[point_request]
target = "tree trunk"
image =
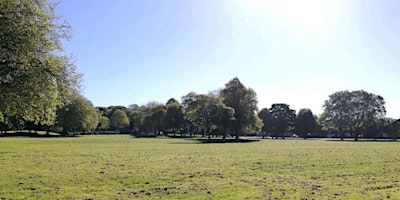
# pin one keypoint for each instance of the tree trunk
(48, 130)
(224, 136)
(237, 135)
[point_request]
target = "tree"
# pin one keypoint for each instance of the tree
(36, 79)
(207, 113)
(174, 116)
(223, 117)
(79, 115)
(305, 123)
(353, 111)
(119, 120)
(394, 129)
(200, 112)
(136, 119)
(265, 117)
(243, 100)
(282, 117)
(104, 123)
(157, 117)
(255, 127)
(377, 128)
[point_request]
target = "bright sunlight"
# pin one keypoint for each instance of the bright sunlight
(307, 14)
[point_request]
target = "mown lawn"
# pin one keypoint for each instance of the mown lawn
(123, 167)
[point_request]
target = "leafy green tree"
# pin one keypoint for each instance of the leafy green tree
(198, 111)
(137, 119)
(265, 117)
(36, 79)
(352, 111)
(207, 112)
(119, 120)
(79, 115)
(255, 127)
(305, 123)
(223, 117)
(104, 123)
(132, 114)
(189, 125)
(243, 100)
(393, 129)
(174, 116)
(282, 117)
(157, 117)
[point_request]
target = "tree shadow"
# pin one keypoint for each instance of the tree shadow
(30, 134)
(362, 140)
(210, 141)
(179, 136)
(144, 135)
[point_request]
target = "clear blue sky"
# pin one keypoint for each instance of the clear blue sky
(294, 52)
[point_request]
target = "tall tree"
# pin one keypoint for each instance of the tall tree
(79, 115)
(265, 117)
(174, 116)
(157, 117)
(243, 100)
(352, 111)
(282, 117)
(305, 123)
(36, 79)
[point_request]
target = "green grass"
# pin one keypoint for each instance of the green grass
(123, 167)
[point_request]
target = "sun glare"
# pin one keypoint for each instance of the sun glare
(311, 23)
(305, 14)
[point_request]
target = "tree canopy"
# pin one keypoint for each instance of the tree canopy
(36, 79)
(244, 102)
(305, 123)
(352, 112)
(280, 118)
(79, 115)
(119, 120)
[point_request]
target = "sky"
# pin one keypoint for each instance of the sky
(293, 52)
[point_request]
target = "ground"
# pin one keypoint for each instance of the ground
(124, 167)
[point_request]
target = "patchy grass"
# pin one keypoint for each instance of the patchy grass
(124, 167)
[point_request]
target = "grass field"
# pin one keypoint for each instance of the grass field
(123, 167)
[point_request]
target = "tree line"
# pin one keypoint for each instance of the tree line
(40, 90)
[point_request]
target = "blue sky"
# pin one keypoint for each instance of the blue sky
(294, 52)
